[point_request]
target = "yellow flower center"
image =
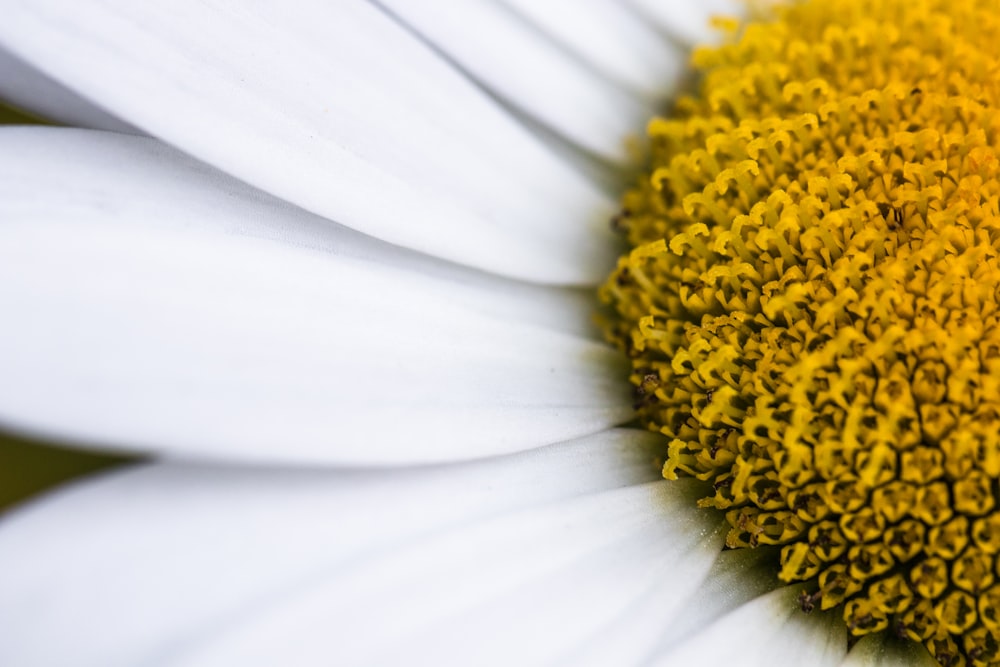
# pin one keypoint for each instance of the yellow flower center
(812, 306)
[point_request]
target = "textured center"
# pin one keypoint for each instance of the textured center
(812, 306)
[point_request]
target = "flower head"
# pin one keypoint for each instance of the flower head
(333, 299)
(812, 307)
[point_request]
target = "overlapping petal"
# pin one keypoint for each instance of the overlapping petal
(338, 109)
(770, 630)
(164, 307)
(667, 616)
(25, 87)
(610, 38)
(522, 556)
(561, 92)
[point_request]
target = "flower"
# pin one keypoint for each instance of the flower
(365, 449)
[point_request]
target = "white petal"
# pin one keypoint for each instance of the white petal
(736, 578)
(520, 589)
(510, 58)
(884, 651)
(771, 630)
(669, 613)
(607, 36)
(144, 181)
(163, 307)
(338, 109)
(169, 556)
(689, 21)
(25, 87)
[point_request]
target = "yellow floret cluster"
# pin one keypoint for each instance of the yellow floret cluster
(811, 305)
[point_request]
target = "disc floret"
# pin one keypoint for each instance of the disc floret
(812, 307)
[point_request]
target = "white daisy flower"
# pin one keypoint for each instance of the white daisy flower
(329, 268)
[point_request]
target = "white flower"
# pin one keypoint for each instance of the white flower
(394, 446)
